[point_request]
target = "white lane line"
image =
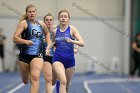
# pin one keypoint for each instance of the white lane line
(114, 80)
(87, 89)
(109, 80)
(16, 88)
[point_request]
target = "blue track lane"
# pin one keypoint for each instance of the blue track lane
(9, 81)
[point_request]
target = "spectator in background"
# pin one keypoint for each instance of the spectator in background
(136, 55)
(2, 44)
(16, 53)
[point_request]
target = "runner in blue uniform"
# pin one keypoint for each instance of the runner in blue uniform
(29, 34)
(64, 60)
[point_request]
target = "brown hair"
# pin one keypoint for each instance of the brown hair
(24, 16)
(49, 14)
(64, 10)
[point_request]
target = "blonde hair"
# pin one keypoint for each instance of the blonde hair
(24, 16)
(49, 14)
(64, 10)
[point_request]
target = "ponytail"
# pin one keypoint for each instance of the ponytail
(23, 17)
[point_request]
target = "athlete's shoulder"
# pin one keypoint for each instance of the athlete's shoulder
(23, 23)
(73, 28)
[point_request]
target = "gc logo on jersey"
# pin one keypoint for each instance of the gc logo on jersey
(40, 55)
(36, 33)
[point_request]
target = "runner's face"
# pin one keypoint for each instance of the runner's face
(31, 13)
(49, 21)
(64, 18)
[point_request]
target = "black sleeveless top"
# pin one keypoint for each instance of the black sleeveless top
(136, 53)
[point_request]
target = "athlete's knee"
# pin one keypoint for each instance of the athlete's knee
(25, 81)
(48, 78)
(35, 78)
(63, 82)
